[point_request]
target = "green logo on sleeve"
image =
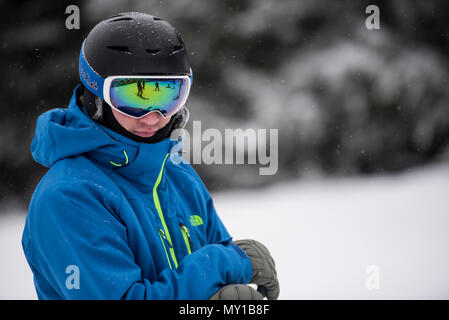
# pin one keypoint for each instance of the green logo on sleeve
(196, 220)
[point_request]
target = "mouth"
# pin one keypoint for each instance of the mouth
(145, 133)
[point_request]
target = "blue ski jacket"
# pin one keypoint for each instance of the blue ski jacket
(116, 219)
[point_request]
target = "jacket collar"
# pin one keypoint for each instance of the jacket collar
(63, 133)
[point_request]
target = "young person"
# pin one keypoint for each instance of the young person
(114, 217)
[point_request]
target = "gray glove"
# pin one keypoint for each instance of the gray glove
(236, 292)
(264, 270)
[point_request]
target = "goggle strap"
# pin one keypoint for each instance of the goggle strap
(91, 80)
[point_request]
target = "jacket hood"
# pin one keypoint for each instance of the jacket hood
(68, 132)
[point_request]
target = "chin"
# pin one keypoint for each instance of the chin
(144, 134)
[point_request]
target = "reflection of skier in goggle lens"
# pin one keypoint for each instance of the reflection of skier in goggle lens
(136, 64)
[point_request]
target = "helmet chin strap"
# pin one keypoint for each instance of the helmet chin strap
(99, 104)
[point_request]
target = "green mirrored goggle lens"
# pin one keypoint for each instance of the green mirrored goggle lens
(137, 96)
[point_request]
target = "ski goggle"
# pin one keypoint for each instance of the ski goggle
(136, 96)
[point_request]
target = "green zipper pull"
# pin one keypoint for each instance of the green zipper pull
(163, 237)
(187, 238)
(186, 230)
(162, 233)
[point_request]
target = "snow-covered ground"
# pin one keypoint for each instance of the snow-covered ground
(382, 237)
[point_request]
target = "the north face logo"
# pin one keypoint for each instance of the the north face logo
(196, 220)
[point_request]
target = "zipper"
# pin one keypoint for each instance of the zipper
(163, 240)
(157, 204)
(187, 239)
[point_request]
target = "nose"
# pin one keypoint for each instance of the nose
(151, 119)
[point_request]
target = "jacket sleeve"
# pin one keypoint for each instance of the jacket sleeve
(215, 229)
(216, 232)
(81, 249)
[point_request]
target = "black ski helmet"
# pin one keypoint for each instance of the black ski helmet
(131, 43)
(136, 43)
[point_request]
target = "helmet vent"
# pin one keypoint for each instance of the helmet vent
(115, 16)
(177, 48)
(121, 19)
(153, 51)
(120, 48)
(157, 19)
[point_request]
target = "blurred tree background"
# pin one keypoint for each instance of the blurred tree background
(346, 100)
